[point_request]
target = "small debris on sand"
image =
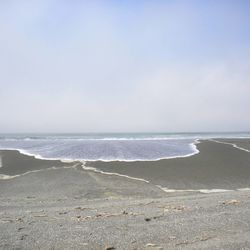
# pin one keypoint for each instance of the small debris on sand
(182, 243)
(40, 215)
(39, 211)
(172, 237)
(206, 237)
(5, 220)
(158, 216)
(170, 208)
(151, 245)
(19, 219)
(80, 208)
(23, 237)
(231, 202)
(63, 213)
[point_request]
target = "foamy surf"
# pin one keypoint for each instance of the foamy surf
(108, 151)
(108, 147)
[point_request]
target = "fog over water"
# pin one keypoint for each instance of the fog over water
(91, 66)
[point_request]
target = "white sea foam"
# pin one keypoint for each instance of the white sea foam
(204, 191)
(7, 177)
(111, 173)
(243, 189)
(232, 144)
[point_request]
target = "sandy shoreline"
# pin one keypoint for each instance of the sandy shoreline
(70, 208)
(15, 163)
(217, 166)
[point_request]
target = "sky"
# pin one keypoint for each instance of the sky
(124, 66)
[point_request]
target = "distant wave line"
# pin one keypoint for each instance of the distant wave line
(128, 138)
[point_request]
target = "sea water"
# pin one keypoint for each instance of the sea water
(109, 146)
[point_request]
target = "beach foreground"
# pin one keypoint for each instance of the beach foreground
(63, 206)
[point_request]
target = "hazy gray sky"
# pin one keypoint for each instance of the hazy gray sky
(96, 66)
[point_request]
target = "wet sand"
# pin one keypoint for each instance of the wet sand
(15, 163)
(238, 142)
(217, 166)
(71, 208)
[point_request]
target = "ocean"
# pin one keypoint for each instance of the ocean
(109, 146)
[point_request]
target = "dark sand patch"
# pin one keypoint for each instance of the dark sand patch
(244, 143)
(64, 180)
(217, 166)
(15, 163)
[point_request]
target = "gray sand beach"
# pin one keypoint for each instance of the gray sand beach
(63, 206)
